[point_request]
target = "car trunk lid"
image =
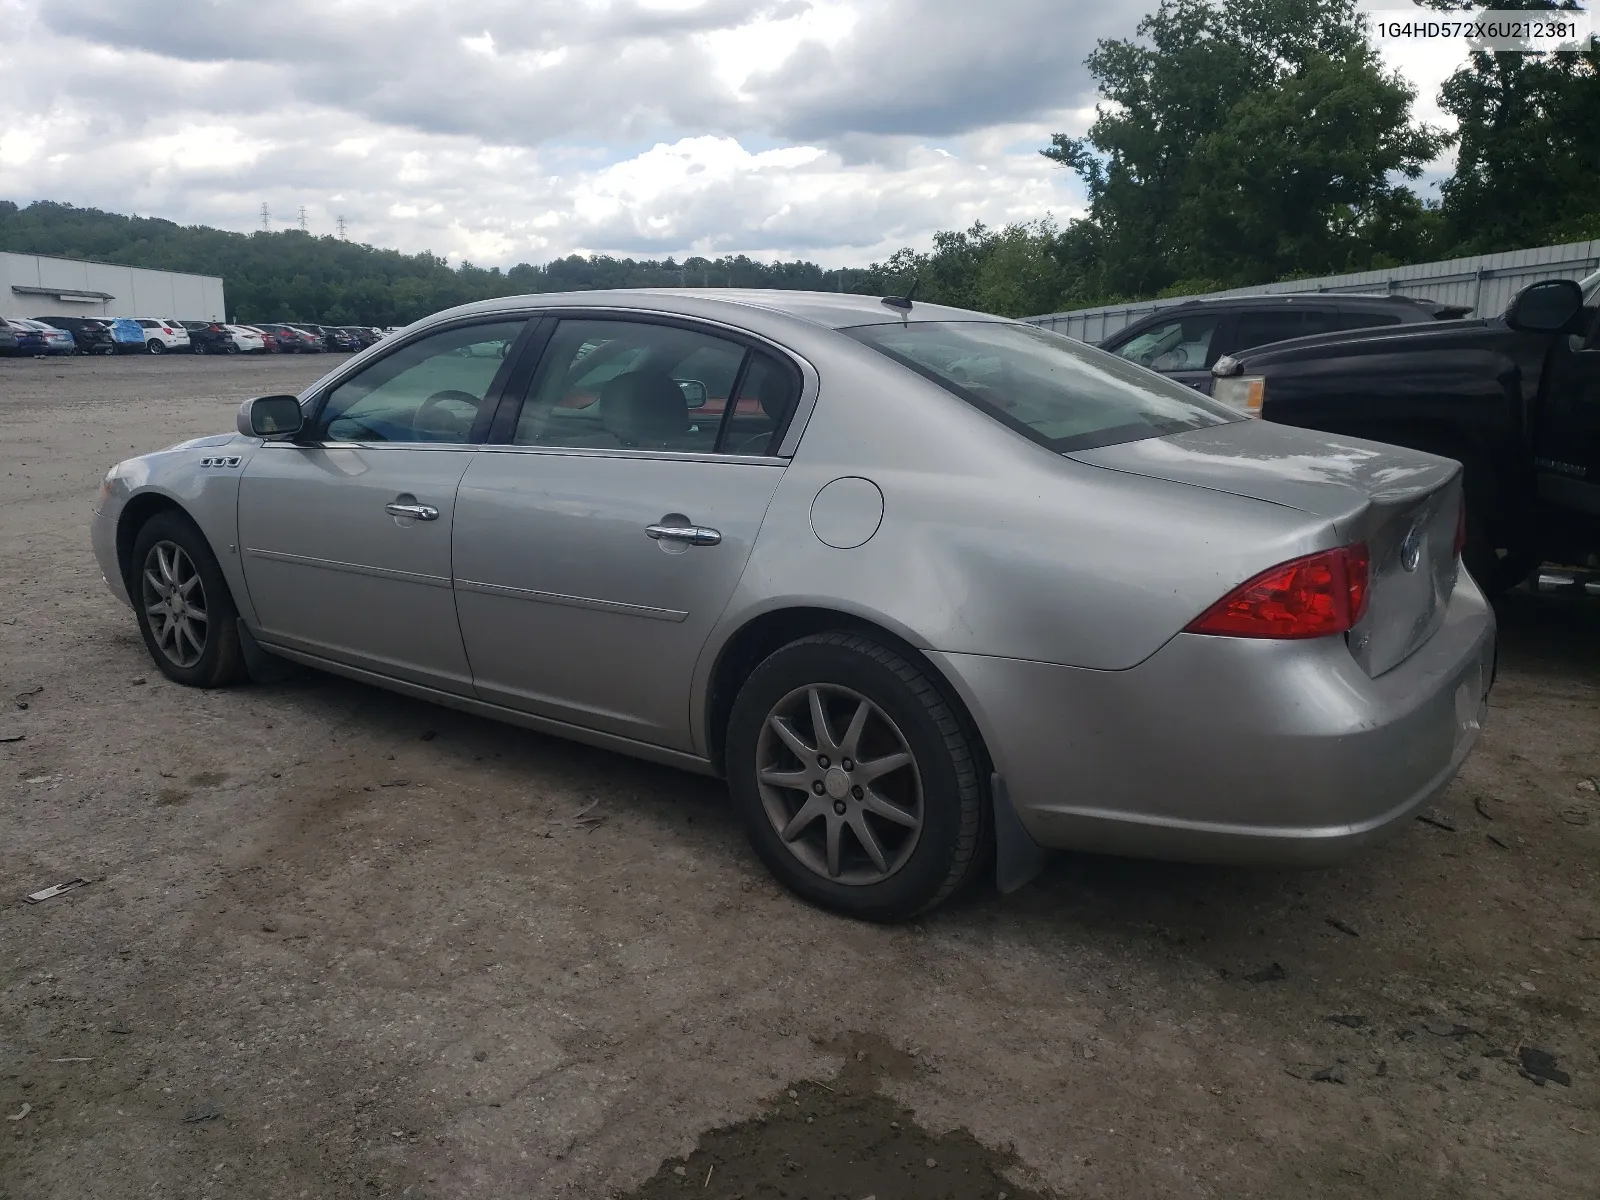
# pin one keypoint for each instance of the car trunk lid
(1402, 503)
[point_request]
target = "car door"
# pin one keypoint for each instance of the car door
(1182, 346)
(345, 532)
(1568, 433)
(596, 548)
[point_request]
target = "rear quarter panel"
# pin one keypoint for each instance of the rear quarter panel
(990, 544)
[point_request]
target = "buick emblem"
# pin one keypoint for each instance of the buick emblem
(1411, 548)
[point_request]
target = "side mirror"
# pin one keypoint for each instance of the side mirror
(693, 391)
(1545, 307)
(270, 416)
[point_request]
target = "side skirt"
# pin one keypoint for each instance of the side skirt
(496, 712)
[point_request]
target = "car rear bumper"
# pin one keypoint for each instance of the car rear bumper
(1233, 750)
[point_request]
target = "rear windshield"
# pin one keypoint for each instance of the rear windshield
(1058, 392)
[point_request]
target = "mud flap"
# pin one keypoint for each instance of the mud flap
(1017, 857)
(261, 666)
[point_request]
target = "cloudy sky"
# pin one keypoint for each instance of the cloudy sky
(520, 130)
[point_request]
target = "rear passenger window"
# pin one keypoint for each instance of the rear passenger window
(1261, 328)
(1367, 320)
(630, 385)
(766, 399)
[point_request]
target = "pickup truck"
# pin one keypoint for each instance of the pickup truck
(1514, 398)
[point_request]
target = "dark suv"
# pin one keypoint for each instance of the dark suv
(92, 336)
(1183, 341)
(208, 337)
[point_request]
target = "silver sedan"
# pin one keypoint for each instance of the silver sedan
(933, 591)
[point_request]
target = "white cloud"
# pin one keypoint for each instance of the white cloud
(520, 130)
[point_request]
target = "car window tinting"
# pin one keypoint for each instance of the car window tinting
(427, 391)
(1181, 344)
(1059, 392)
(1367, 320)
(1274, 325)
(630, 385)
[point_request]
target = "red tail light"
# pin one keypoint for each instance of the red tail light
(1461, 527)
(1314, 596)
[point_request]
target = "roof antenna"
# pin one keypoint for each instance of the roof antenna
(903, 303)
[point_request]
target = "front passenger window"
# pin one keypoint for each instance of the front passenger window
(1181, 344)
(430, 390)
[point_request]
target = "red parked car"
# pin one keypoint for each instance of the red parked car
(293, 341)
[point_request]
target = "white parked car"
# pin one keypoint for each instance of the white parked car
(162, 334)
(246, 340)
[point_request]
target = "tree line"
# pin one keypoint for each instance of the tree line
(1237, 142)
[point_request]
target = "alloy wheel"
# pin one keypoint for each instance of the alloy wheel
(174, 599)
(840, 784)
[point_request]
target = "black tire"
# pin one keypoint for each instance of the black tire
(948, 847)
(1496, 569)
(155, 346)
(1491, 552)
(198, 348)
(220, 660)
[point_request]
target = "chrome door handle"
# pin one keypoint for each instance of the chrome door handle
(418, 512)
(694, 535)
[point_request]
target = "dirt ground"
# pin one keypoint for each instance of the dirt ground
(340, 943)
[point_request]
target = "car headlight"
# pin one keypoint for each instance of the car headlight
(1243, 392)
(105, 489)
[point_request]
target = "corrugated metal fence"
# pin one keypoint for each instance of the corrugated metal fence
(1485, 282)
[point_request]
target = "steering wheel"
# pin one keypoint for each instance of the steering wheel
(432, 418)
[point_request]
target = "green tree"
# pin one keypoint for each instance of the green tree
(1248, 140)
(1529, 158)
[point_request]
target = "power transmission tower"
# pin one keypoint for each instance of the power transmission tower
(341, 227)
(266, 217)
(302, 218)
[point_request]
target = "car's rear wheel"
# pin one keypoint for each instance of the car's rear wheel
(856, 777)
(155, 346)
(185, 610)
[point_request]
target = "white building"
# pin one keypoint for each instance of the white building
(34, 286)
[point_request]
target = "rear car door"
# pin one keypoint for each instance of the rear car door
(345, 532)
(1567, 440)
(598, 543)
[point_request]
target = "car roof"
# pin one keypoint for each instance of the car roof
(1297, 299)
(832, 310)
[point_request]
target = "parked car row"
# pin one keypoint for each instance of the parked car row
(34, 336)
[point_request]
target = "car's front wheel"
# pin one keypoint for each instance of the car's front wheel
(185, 610)
(857, 778)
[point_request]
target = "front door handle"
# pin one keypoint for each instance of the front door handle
(693, 535)
(417, 512)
